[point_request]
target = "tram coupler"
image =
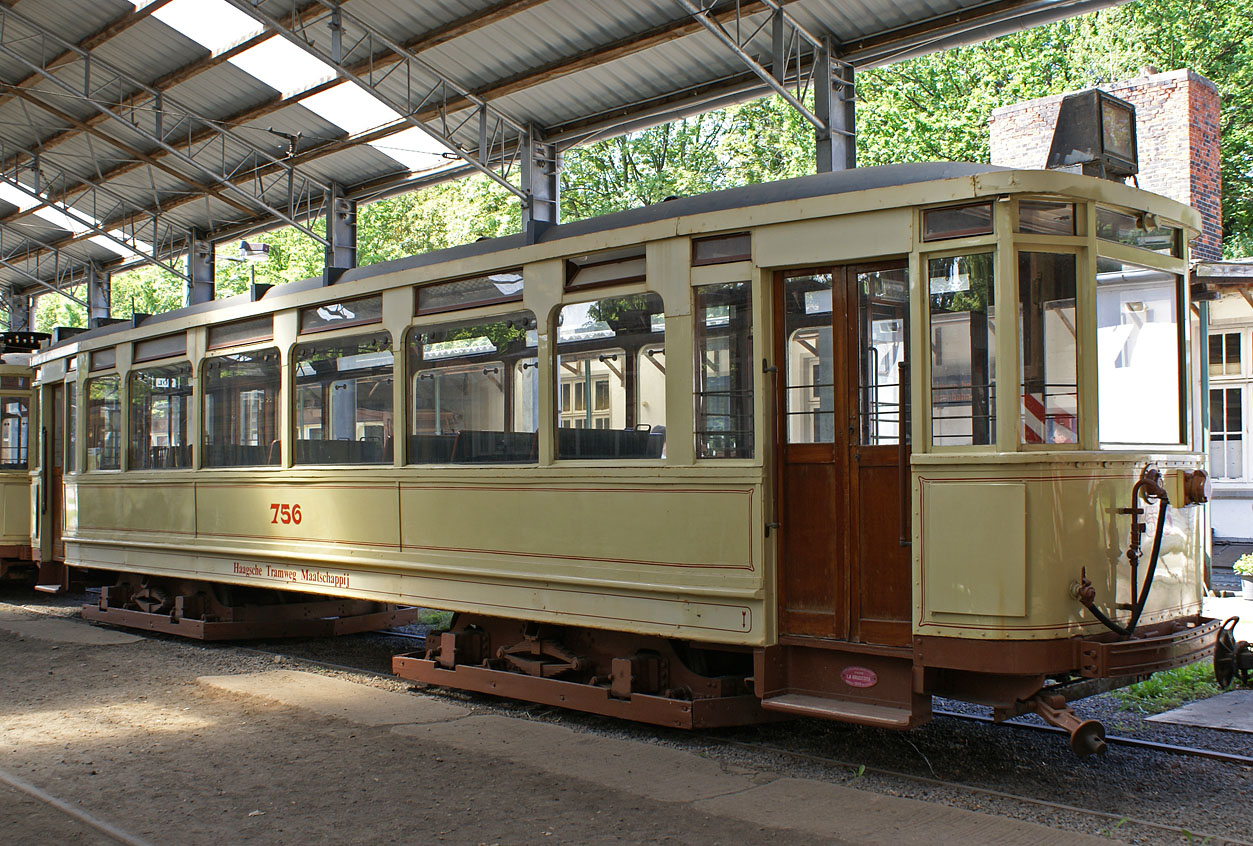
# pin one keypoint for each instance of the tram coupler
(1087, 737)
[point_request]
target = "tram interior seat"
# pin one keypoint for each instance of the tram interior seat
(241, 455)
(167, 456)
(474, 446)
(364, 451)
(641, 442)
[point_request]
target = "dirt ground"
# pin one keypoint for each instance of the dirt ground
(126, 733)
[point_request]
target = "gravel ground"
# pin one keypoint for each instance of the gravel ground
(960, 763)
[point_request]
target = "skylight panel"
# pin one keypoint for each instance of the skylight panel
(348, 106)
(414, 149)
(283, 66)
(15, 197)
(214, 24)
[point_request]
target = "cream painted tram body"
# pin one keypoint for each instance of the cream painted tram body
(663, 446)
(17, 435)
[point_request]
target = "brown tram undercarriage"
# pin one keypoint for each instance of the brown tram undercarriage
(680, 684)
(675, 683)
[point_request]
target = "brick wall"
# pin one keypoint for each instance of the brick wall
(1177, 130)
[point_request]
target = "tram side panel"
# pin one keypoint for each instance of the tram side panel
(673, 554)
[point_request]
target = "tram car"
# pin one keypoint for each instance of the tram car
(829, 447)
(17, 427)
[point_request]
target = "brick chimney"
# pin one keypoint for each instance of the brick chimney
(1177, 127)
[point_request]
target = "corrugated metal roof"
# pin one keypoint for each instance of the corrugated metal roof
(96, 141)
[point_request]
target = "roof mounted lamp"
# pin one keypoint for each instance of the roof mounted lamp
(254, 251)
(1096, 136)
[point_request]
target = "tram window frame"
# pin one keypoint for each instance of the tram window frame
(1107, 402)
(978, 441)
(97, 436)
(509, 366)
(20, 429)
(357, 450)
(141, 415)
(271, 393)
(739, 374)
(70, 461)
(1054, 428)
(634, 440)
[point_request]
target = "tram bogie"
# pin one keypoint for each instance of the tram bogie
(866, 437)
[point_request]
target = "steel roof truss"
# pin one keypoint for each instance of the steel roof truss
(30, 251)
(424, 85)
(15, 28)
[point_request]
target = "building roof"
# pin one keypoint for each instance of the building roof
(128, 125)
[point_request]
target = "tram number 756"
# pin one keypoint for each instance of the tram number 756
(285, 513)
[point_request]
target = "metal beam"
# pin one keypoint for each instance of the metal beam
(234, 154)
(99, 293)
(18, 305)
(541, 180)
(341, 230)
(835, 106)
(351, 35)
(201, 267)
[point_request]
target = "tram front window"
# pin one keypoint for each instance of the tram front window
(344, 401)
(963, 344)
(1138, 354)
(472, 391)
(1049, 391)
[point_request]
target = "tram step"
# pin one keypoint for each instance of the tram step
(57, 588)
(846, 710)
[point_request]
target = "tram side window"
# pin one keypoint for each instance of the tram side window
(724, 371)
(1138, 353)
(14, 432)
(473, 391)
(344, 401)
(241, 396)
(809, 372)
(160, 409)
(71, 425)
(611, 387)
(1047, 333)
(104, 423)
(963, 345)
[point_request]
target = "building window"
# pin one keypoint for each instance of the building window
(611, 366)
(724, 371)
(1226, 433)
(1224, 354)
(160, 400)
(104, 423)
(344, 401)
(241, 392)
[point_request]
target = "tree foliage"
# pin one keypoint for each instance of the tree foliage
(934, 107)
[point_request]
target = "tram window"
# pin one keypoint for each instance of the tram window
(957, 222)
(71, 425)
(1224, 354)
(963, 345)
(250, 331)
(1138, 231)
(1226, 417)
(104, 359)
(160, 408)
(166, 346)
(473, 392)
(810, 376)
(241, 393)
(883, 331)
(500, 287)
(104, 423)
(10, 382)
(1038, 217)
(1048, 369)
(722, 248)
(611, 397)
(1138, 354)
(344, 401)
(724, 371)
(359, 312)
(14, 432)
(614, 267)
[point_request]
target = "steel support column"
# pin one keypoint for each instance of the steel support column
(200, 269)
(99, 288)
(341, 229)
(541, 180)
(19, 311)
(835, 106)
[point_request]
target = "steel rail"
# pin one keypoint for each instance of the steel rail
(1188, 751)
(108, 830)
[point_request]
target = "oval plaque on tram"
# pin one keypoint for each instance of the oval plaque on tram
(859, 677)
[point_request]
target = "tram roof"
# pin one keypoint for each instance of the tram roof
(127, 125)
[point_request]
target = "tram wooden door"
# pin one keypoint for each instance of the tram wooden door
(841, 343)
(54, 495)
